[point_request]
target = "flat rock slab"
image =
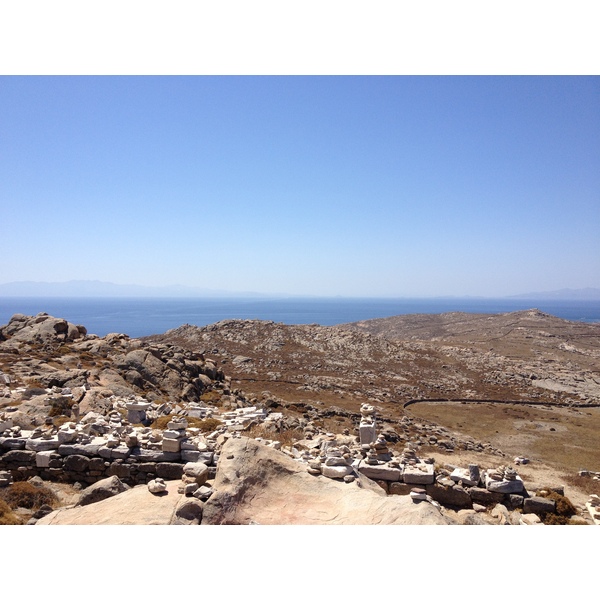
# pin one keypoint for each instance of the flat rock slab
(136, 506)
(262, 485)
(379, 472)
(505, 486)
(423, 474)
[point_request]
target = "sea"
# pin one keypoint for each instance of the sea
(138, 317)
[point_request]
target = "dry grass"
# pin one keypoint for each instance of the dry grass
(7, 516)
(287, 437)
(562, 438)
(204, 425)
(23, 494)
(587, 485)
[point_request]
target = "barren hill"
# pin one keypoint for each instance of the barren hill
(547, 368)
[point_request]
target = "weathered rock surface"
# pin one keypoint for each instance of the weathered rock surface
(136, 506)
(101, 490)
(255, 483)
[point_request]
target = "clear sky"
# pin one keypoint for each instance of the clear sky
(319, 185)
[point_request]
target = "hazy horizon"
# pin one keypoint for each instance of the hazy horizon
(370, 186)
(98, 289)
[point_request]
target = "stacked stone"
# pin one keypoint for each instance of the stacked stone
(315, 464)
(310, 431)
(5, 478)
(114, 419)
(136, 410)
(371, 457)
(337, 464)
(503, 479)
(418, 494)
(194, 476)
(174, 434)
(6, 422)
(503, 473)
(366, 428)
(497, 474)
(380, 447)
(409, 456)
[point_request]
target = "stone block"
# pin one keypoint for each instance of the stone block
(41, 445)
(169, 470)
(463, 476)
(422, 474)
(538, 505)
(42, 459)
(12, 443)
(149, 467)
(451, 496)
(170, 445)
(399, 489)
(336, 472)
(190, 455)
(120, 470)
(76, 463)
(367, 433)
(485, 497)
(383, 472)
(91, 449)
(96, 464)
(505, 486)
(530, 519)
(19, 457)
(513, 501)
(121, 452)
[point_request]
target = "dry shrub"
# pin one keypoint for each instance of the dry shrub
(161, 422)
(587, 485)
(7, 516)
(61, 406)
(287, 437)
(211, 397)
(204, 425)
(564, 510)
(23, 494)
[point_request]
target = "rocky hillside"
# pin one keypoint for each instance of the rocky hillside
(528, 356)
(82, 410)
(48, 367)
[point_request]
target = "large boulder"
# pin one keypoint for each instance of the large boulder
(258, 484)
(101, 490)
(41, 328)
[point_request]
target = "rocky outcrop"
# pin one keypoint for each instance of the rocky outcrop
(136, 506)
(101, 490)
(51, 367)
(258, 484)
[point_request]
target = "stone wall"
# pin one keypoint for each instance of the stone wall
(63, 466)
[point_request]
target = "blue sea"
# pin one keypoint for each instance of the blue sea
(139, 317)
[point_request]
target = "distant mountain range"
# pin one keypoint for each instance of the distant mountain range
(564, 294)
(102, 289)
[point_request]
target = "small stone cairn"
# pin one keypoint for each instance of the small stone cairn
(367, 427)
(503, 479)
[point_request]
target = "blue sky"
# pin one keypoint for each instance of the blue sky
(331, 185)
